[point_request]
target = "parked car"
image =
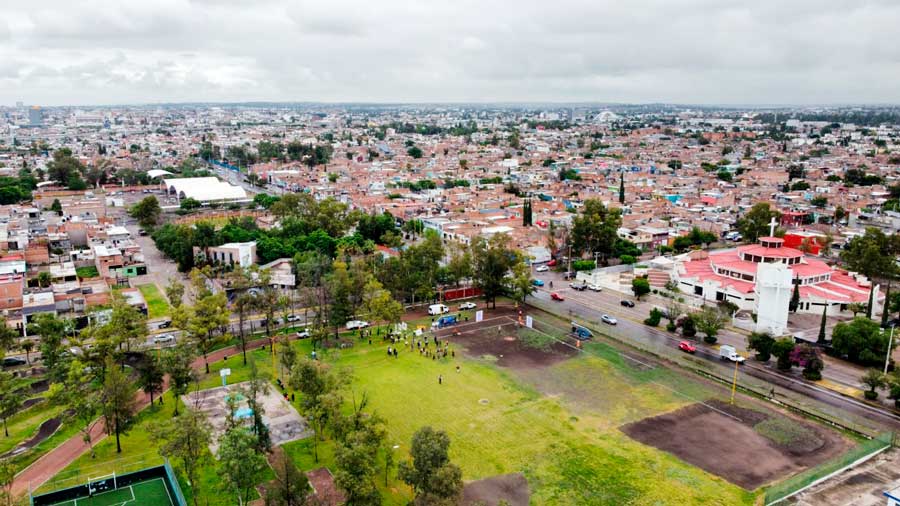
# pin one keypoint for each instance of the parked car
(594, 288)
(552, 262)
(294, 318)
(569, 275)
(163, 339)
(556, 296)
(467, 305)
(608, 319)
(687, 347)
(12, 361)
(356, 324)
(627, 303)
(582, 286)
(302, 334)
(537, 282)
(164, 324)
(542, 268)
(142, 232)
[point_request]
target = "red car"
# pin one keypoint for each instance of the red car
(552, 262)
(556, 296)
(687, 347)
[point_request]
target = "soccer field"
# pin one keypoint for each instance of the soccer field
(147, 493)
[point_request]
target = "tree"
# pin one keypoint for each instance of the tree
(874, 379)
(11, 398)
(872, 254)
(378, 304)
(186, 441)
(175, 292)
(151, 376)
(755, 222)
(147, 211)
(177, 364)
(27, 346)
(809, 358)
(430, 473)
(255, 387)
(822, 325)
(762, 343)
(640, 287)
(795, 297)
(359, 437)
(52, 331)
(8, 336)
(492, 260)
(79, 393)
(594, 231)
(209, 316)
(621, 188)
(526, 213)
(118, 403)
(521, 285)
(861, 341)
(66, 169)
(782, 349)
(56, 207)
(189, 203)
(710, 320)
(290, 487)
(287, 355)
(414, 151)
(240, 465)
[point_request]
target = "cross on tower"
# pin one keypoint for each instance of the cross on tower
(772, 225)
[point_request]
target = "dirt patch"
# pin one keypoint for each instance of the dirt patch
(326, 492)
(496, 337)
(724, 445)
(40, 386)
(512, 488)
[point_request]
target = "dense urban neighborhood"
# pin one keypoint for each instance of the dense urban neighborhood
(290, 304)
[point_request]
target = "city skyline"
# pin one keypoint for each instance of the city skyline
(696, 52)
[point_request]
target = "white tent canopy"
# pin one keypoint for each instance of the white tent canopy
(158, 172)
(204, 189)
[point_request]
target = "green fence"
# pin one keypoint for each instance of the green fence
(781, 491)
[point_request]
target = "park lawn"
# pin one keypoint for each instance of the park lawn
(157, 305)
(499, 424)
(87, 272)
(24, 424)
(139, 452)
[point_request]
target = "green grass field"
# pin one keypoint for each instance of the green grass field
(157, 305)
(147, 493)
(557, 425)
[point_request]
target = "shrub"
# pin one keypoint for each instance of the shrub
(654, 318)
(688, 327)
(671, 327)
(870, 395)
(627, 259)
(583, 265)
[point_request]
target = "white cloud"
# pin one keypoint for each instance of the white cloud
(696, 51)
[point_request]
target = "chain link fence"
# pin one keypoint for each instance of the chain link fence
(799, 482)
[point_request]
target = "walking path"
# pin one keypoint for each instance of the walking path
(54, 461)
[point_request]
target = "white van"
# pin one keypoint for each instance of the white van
(435, 309)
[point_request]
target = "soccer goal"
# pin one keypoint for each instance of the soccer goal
(100, 484)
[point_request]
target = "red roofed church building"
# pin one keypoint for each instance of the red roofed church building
(731, 275)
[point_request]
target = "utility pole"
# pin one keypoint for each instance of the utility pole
(887, 359)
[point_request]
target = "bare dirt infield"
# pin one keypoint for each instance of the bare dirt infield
(512, 488)
(495, 337)
(732, 449)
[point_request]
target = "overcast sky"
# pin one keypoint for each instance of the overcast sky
(62, 52)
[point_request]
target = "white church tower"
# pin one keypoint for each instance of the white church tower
(774, 289)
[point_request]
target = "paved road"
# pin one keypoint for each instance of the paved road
(590, 306)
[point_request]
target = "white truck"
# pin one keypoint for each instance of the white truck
(436, 309)
(727, 352)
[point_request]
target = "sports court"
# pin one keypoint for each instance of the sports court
(155, 486)
(148, 493)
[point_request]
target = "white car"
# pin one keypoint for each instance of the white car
(293, 318)
(542, 268)
(594, 288)
(163, 339)
(467, 305)
(303, 334)
(356, 324)
(608, 319)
